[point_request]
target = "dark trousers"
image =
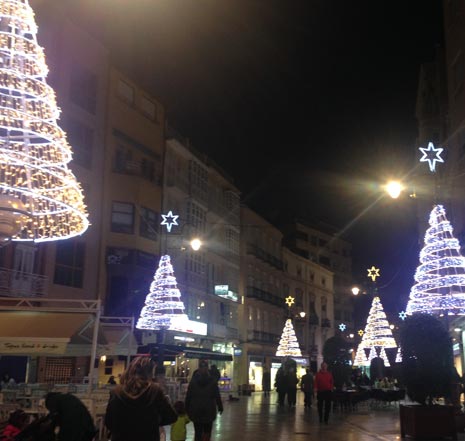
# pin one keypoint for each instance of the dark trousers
(281, 396)
(324, 400)
(203, 431)
(291, 397)
(308, 398)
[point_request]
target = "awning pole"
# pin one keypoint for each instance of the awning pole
(128, 359)
(93, 355)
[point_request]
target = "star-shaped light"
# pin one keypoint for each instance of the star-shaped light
(360, 332)
(342, 327)
(373, 273)
(289, 301)
(431, 156)
(403, 315)
(169, 220)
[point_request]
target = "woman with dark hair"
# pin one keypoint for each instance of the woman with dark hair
(138, 407)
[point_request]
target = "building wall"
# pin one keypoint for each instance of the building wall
(323, 246)
(312, 287)
(132, 195)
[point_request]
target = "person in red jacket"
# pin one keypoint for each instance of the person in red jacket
(16, 423)
(324, 385)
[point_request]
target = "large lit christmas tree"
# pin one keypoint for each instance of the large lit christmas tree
(377, 330)
(440, 278)
(163, 306)
(288, 345)
(377, 336)
(40, 198)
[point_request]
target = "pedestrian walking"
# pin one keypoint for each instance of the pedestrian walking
(71, 416)
(203, 401)
(266, 382)
(215, 373)
(281, 385)
(324, 385)
(292, 381)
(306, 386)
(138, 407)
(178, 428)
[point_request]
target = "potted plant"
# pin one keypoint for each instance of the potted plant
(427, 373)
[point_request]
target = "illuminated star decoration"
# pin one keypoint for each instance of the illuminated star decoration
(169, 220)
(403, 315)
(431, 156)
(373, 273)
(342, 327)
(360, 332)
(289, 301)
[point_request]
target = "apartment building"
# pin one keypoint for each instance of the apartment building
(311, 287)
(207, 203)
(264, 309)
(321, 244)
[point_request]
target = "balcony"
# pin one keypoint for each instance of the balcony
(262, 337)
(264, 256)
(264, 296)
(325, 323)
(21, 284)
(313, 319)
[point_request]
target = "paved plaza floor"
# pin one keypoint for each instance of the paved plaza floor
(257, 418)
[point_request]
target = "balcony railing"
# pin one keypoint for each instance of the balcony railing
(21, 284)
(263, 337)
(264, 256)
(264, 296)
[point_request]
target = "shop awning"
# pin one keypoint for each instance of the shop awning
(30, 332)
(187, 351)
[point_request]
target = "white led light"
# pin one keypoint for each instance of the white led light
(34, 153)
(288, 345)
(163, 304)
(440, 277)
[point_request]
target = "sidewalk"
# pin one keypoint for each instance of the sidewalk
(256, 418)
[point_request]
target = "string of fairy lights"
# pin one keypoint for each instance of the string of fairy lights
(37, 188)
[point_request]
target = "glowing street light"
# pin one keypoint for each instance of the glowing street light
(394, 189)
(196, 244)
(355, 290)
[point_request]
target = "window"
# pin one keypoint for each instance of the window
(196, 217)
(83, 89)
(125, 91)
(148, 225)
(122, 217)
(148, 108)
(147, 169)
(81, 139)
(69, 263)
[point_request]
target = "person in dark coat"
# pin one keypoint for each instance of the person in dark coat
(266, 382)
(306, 385)
(281, 385)
(203, 401)
(138, 407)
(215, 373)
(71, 416)
(292, 381)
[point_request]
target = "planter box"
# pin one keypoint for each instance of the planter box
(427, 421)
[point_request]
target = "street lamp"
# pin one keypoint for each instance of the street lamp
(394, 189)
(195, 244)
(355, 290)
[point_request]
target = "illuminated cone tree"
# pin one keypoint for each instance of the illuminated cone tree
(377, 336)
(360, 357)
(163, 305)
(440, 278)
(288, 345)
(40, 198)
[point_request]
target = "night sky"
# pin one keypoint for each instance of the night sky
(308, 104)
